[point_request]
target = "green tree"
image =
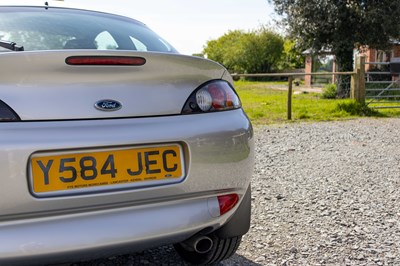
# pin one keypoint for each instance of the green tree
(257, 51)
(341, 25)
(198, 55)
(262, 51)
(223, 50)
(292, 57)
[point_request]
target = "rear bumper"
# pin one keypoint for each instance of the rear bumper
(101, 233)
(218, 153)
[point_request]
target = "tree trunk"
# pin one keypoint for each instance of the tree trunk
(344, 60)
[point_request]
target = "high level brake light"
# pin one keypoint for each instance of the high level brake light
(105, 61)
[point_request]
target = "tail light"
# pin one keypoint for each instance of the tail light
(227, 202)
(7, 114)
(213, 96)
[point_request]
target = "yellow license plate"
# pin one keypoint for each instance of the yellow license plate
(91, 170)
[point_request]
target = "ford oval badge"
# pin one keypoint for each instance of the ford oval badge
(108, 105)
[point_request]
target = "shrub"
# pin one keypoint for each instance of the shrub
(329, 91)
(357, 109)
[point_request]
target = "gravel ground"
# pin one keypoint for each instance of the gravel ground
(323, 194)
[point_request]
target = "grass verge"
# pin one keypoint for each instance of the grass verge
(265, 105)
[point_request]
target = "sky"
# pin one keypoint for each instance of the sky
(188, 24)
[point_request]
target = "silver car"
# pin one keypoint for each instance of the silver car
(113, 142)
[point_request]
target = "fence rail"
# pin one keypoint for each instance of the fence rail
(291, 77)
(291, 74)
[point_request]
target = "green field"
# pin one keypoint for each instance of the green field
(265, 104)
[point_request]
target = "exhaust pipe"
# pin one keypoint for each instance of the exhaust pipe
(199, 243)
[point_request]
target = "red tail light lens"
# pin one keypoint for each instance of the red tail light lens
(214, 96)
(218, 95)
(105, 61)
(227, 202)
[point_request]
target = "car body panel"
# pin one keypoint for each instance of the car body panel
(88, 234)
(51, 228)
(54, 90)
(217, 150)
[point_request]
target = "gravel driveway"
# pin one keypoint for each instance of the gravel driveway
(323, 194)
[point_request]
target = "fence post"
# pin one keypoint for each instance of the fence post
(358, 80)
(354, 84)
(289, 101)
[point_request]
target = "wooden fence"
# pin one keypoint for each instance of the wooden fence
(291, 77)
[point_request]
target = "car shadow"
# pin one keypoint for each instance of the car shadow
(164, 255)
(239, 260)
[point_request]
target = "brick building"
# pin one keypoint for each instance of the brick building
(373, 55)
(313, 61)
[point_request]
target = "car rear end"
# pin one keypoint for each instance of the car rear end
(113, 151)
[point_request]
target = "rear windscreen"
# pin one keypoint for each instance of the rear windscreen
(37, 28)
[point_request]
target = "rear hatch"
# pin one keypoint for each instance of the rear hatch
(41, 86)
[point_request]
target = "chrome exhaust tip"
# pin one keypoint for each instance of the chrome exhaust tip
(198, 243)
